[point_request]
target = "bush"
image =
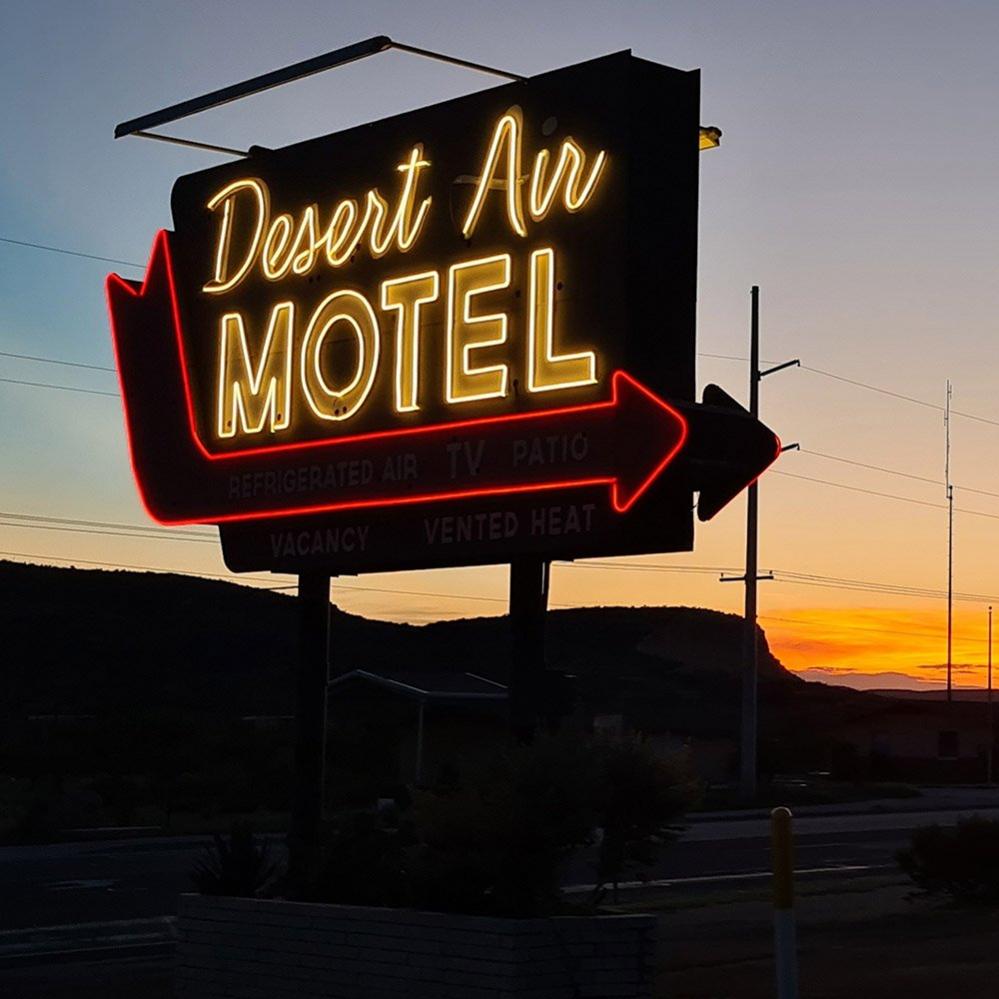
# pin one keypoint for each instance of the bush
(961, 862)
(496, 839)
(639, 799)
(362, 860)
(239, 866)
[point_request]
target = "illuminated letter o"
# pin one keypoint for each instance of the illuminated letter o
(353, 311)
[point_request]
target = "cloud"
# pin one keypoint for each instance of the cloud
(862, 680)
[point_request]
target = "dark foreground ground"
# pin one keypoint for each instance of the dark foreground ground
(861, 936)
(858, 938)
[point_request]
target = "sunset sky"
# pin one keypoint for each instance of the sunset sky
(857, 184)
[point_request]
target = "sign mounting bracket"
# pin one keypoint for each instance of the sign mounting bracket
(267, 81)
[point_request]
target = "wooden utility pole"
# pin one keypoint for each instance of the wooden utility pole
(749, 735)
(750, 651)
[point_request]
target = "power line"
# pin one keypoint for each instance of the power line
(870, 388)
(53, 360)
(424, 593)
(875, 468)
(804, 578)
(21, 525)
(885, 590)
(62, 388)
(892, 496)
(69, 253)
(166, 531)
(132, 566)
(238, 579)
(710, 569)
(907, 587)
(894, 471)
(879, 631)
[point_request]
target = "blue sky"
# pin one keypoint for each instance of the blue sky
(857, 184)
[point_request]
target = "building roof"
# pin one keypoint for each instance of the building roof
(427, 685)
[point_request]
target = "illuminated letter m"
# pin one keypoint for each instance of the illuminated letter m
(252, 397)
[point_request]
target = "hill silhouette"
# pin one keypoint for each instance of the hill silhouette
(97, 642)
(131, 691)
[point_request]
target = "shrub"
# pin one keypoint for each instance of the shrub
(496, 838)
(361, 860)
(238, 866)
(961, 862)
(639, 798)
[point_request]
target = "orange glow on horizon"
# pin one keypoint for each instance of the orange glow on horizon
(874, 640)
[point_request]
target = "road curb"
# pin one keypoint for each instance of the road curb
(820, 811)
(87, 939)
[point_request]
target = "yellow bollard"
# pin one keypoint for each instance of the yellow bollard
(785, 946)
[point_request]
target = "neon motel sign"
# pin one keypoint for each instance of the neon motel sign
(463, 334)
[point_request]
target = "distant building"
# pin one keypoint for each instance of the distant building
(918, 739)
(406, 726)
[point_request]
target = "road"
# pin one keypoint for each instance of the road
(140, 878)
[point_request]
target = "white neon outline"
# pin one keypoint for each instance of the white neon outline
(407, 228)
(304, 259)
(550, 359)
(302, 238)
(400, 334)
(508, 127)
(567, 173)
(280, 415)
(217, 286)
(284, 222)
(470, 320)
(337, 235)
(308, 350)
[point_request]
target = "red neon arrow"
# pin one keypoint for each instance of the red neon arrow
(624, 442)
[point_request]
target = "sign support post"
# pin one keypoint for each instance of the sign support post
(528, 607)
(310, 717)
(750, 651)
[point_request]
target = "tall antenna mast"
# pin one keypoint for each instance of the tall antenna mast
(950, 544)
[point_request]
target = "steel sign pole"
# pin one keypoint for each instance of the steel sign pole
(528, 606)
(310, 718)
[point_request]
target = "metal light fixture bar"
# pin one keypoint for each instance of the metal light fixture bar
(709, 136)
(297, 71)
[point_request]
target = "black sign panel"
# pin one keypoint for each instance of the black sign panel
(456, 336)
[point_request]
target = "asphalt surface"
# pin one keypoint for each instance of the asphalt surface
(140, 878)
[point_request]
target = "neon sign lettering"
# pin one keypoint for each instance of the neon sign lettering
(506, 147)
(292, 376)
(284, 245)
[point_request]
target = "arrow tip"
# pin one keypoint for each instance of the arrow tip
(650, 433)
(743, 446)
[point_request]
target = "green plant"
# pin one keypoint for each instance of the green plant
(362, 860)
(495, 840)
(639, 798)
(961, 861)
(237, 865)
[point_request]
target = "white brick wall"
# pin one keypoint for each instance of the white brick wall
(245, 948)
